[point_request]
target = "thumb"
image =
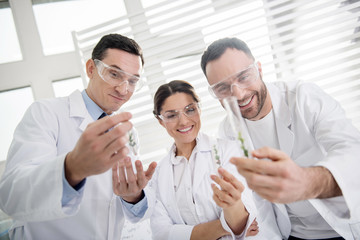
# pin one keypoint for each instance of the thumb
(269, 153)
(150, 171)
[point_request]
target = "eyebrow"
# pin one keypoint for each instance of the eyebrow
(242, 72)
(220, 84)
(237, 74)
(115, 66)
(174, 110)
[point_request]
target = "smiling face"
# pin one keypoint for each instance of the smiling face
(111, 98)
(185, 129)
(254, 101)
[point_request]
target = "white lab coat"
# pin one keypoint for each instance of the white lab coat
(31, 187)
(166, 221)
(312, 129)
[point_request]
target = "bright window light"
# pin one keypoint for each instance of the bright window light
(9, 45)
(13, 104)
(56, 20)
(65, 87)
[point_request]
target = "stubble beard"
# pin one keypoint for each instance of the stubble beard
(261, 97)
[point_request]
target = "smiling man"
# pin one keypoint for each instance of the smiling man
(68, 174)
(314, 150)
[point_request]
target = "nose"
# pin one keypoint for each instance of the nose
(183, 117)
(237, 91)
(122, 88)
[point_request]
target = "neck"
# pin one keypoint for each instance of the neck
(185, 149)
(91, 96)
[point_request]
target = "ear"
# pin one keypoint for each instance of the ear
(90, 68)
(161, 121)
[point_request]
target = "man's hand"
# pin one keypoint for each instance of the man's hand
(98, 149)
(229, 199)
(281, 180)
(126, 183)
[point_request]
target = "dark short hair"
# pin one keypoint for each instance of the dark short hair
(116, 41)
(217, 48)
(168, 89)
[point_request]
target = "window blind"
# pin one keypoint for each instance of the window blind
(315, 41)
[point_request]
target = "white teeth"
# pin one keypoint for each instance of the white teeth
(185, 129)
(245, 103)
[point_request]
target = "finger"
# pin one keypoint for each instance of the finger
(256, 180)
(121, 171)
(118, 132)
(108, 144)
(222, 195)
(131, 178)
(150, 171)
(102, 125)
(141, 179)
(218, 200)
(246, 166)
(227, 176)
(242, 164)
(270, 188)
(270, 153)
(226, 187)
(119, 154)
(115, 146)
(115, 175)
(115, 178)
(254, 223)
(252, 232)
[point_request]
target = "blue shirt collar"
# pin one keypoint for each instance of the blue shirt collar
(94, 110)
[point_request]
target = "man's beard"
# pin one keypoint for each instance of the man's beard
(261, 97)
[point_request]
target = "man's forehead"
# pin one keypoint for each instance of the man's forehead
(229, 63)
(123, 60)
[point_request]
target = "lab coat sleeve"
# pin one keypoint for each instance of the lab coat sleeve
(31, 186)
(143, 209)
(339, 139)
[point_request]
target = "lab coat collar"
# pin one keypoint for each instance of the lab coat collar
(283, 119)
(78, 109)
(202, 145)
(166, 180)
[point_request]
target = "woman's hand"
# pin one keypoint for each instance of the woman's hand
(129, 185)
(228, 197)
(253, 229)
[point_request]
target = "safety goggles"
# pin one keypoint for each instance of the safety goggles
(117, 77)
(190, 111)
(241, 79)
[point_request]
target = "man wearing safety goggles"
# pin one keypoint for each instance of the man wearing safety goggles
(313, 149)
(70, 173)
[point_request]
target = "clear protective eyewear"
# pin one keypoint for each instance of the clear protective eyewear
(190, 111)
(117, 77)
(241, 79)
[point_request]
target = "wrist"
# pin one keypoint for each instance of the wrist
(71, 176)
(236, 217)
(136, 199)
(321, 183)
(222, 231)
(235, 210)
